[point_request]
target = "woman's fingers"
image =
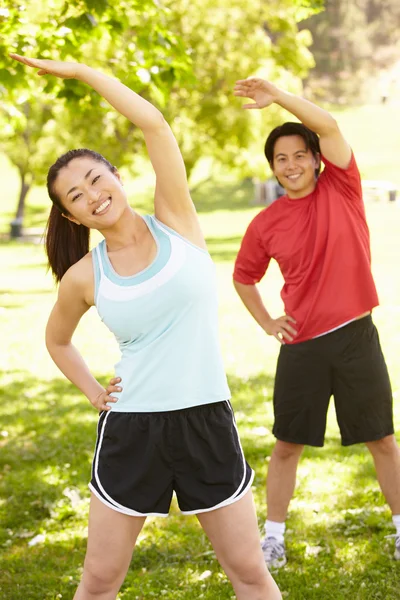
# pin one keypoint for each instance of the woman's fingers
(31, 62)
(63, 69)
(113, 388)
(36, 63)
(109, 398)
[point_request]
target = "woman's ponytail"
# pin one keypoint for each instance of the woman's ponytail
(66, 242)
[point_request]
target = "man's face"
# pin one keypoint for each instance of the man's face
(294, 166)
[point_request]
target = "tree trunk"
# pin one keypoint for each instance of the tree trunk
(16, 223)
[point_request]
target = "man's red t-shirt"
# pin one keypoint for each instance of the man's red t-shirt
(321, 243)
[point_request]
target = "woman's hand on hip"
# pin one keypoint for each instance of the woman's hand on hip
(102, 400)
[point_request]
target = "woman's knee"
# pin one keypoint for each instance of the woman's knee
(100, 578)
(250, 572)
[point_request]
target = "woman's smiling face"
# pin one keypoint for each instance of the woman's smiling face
(91, 193)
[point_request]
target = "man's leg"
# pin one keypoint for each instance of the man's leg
(281, 479)
(364, 407)
(301, 398)
(386, 455)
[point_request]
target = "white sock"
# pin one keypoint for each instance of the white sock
(275, 530)
(396, 521)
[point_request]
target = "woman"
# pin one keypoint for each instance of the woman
(153, 283)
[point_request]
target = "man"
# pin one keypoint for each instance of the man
(318, 234)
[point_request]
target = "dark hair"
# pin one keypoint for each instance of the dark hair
(66, 242)
(310, 138)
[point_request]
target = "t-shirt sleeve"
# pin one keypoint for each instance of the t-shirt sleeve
(345, 181)
(252, 260)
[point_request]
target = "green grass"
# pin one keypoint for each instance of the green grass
(338, 519)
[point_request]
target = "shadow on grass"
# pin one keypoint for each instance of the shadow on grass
(36, 265)
(46, 445)
(223, 249)
(211, 195)
(25, 292)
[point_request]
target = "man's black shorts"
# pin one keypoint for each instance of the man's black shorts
(347, 363)
(142, 458)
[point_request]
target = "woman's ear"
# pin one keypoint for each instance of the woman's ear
(117, 175)
(72, 219)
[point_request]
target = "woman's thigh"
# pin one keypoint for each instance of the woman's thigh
(111, 539)
(233, 533)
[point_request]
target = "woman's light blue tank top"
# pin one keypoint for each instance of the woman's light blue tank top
(166, 323)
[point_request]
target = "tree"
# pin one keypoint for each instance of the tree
(183, 55)
(352, 43)
(227, 40)
(128, 38)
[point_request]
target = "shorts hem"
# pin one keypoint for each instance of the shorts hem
(301, 443)
(374, 438)
(224, 503)
(124, 510)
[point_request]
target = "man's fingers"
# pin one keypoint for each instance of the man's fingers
(286, 336)
(249, 81)
(289, 328)
(285, 324)
(276, 336)
(243, 82)
(249, 106)
(242, 88)
(289, 318)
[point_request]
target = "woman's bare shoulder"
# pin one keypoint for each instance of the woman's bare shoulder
(79, 279)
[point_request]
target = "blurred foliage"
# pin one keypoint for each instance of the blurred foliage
(125, 38)
(355, 45)
(228, 40)
(184, 56)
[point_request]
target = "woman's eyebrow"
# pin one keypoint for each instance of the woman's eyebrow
(86, 176)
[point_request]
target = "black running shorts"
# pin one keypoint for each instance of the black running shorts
(142, 458)
(347, 364)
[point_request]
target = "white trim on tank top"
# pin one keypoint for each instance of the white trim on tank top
(112, 291)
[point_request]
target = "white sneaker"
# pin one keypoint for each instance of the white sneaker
(396, 545)
(274, 552)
